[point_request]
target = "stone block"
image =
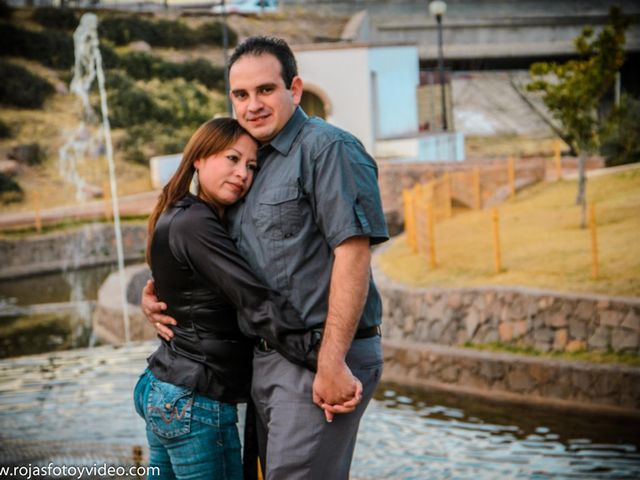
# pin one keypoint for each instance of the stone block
(520, 328)
(623, 340)
(560, 390)
(492, 370)
(544, 335)
(454, 300)
(560, 339)
(632, 320)
(602, 304)
(557, 320)
(519, 380)
(600, 340)
(541, 373)
(610, 318)
(471, 323)
(542, 346)
(582, 380)
(409, 324)
(449, 374)
(577, 329)
(468, 379)
(506, 331)
(575, 346)
(586, 310)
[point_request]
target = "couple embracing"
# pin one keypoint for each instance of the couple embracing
(263, 293)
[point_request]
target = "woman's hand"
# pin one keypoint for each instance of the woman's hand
(153, 308)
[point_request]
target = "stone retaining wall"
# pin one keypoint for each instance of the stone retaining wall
(544, 320)
(87, 245)
(510, 377)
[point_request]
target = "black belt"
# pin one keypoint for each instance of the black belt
(263, 346)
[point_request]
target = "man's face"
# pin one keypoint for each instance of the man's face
(262, 103)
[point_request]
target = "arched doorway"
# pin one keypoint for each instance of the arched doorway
(312, 104)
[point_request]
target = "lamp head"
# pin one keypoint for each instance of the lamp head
(437, 8)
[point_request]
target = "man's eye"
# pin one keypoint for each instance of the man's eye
(266, 90)
(240, 95)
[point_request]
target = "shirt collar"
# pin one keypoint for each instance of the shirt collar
(283, 141)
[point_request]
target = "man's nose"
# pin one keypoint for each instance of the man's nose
(254, 103)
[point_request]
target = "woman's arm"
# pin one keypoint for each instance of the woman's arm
(199, 239)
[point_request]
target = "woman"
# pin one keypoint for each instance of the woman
(188, 393)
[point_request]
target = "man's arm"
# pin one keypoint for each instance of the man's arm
(153, 308)
(334, 384)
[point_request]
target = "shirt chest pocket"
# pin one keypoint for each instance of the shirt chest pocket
(279, 213)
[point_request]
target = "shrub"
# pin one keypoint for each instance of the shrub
(142, 66)
(56, 18)
(129, 104)
(185, 103)
(5, 130)
(5, 10)
(10, 190)
(51, 48)
(210, 33)
(28, 154)
(21, 88)
(621, 137)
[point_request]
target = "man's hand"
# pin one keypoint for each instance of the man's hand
(153, 308)
(336, 390)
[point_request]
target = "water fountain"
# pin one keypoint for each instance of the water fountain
(86, 139)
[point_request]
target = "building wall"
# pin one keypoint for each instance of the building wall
(343, 74)
(397, 78)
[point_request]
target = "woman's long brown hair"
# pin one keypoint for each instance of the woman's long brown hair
(211, 137)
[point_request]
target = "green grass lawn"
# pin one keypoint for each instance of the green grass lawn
(541, 240)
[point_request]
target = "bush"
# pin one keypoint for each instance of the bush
(21, 88)
(10, 191)
(56, 18)
(142, 66)
(5, 130)
(621, 137)
(51, 48)
(5, 10)
(124, 30)
(28, 154)
(129, 104)
(210, 33)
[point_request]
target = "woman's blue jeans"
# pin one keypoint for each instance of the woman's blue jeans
(191, 437)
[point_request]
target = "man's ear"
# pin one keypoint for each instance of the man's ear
(296, 89)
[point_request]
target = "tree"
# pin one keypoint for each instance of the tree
(573, 90)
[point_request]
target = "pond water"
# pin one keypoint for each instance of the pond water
(405, 433)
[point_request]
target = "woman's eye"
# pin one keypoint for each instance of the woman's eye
(252, 166)
(233, 158)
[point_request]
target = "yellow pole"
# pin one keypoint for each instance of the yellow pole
(556, 158)
(496, 240)
(476, 188)
(38, 213)
(512, 176)
(432, 237)
(447, 194)
(412, 216)
(595, 271)
(106, 197)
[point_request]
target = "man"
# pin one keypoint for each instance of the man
(306, 228)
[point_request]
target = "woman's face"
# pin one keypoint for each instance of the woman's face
(225, 177)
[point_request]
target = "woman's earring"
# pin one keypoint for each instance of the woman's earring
(194, 187)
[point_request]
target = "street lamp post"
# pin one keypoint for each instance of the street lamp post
(437, 8)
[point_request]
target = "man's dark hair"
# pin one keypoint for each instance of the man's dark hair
(277, 47)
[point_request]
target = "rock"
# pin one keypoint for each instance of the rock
(520, 328)
(409, 324)
(9, 168)
(599, 341)
(519, 379)
(582, 380)
(471, 322)
(449, 374)
(506, 332)
(560, 340)
(454, 300)
(557, 320)
(575, 346)
(544, 335)
(625, 340)
(492, 370)
(540, 373)
(610, 318)
(577, 329)
(585, 310)
(139, 46)
(632, 321)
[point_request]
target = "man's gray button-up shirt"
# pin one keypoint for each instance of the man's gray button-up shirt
(315, 188)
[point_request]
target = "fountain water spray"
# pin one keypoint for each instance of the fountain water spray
(88, 68)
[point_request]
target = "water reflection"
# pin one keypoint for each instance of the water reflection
(409, 434)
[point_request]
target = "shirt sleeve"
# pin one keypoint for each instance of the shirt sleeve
(346, 196)
(200, 240)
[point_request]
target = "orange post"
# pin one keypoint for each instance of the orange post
(432, 238)
(476, 188)
(595, 270)
(447, 195)
(497, 254)
(511, 169)
(37, 212)
(410, 223)
(557, 159)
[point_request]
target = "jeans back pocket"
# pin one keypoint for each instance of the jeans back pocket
(169, 409)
